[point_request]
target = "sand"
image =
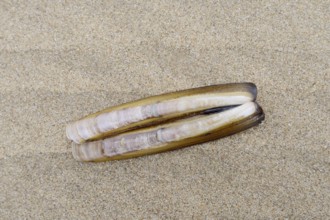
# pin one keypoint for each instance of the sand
(61, 61)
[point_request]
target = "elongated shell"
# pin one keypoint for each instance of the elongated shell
(197, 129)
(158, 109)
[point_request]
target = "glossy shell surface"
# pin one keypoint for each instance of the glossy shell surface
(165, 122)
(154, 110)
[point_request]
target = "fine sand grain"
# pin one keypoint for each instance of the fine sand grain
(61, 60)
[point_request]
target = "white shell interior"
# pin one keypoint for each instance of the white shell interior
(90, 127)
(162, 135)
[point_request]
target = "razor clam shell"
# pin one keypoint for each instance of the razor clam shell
(185, 132)
(158, 109)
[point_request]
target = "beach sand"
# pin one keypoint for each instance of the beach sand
(61, 61)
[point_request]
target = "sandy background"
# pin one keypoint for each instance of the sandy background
(61, 61)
